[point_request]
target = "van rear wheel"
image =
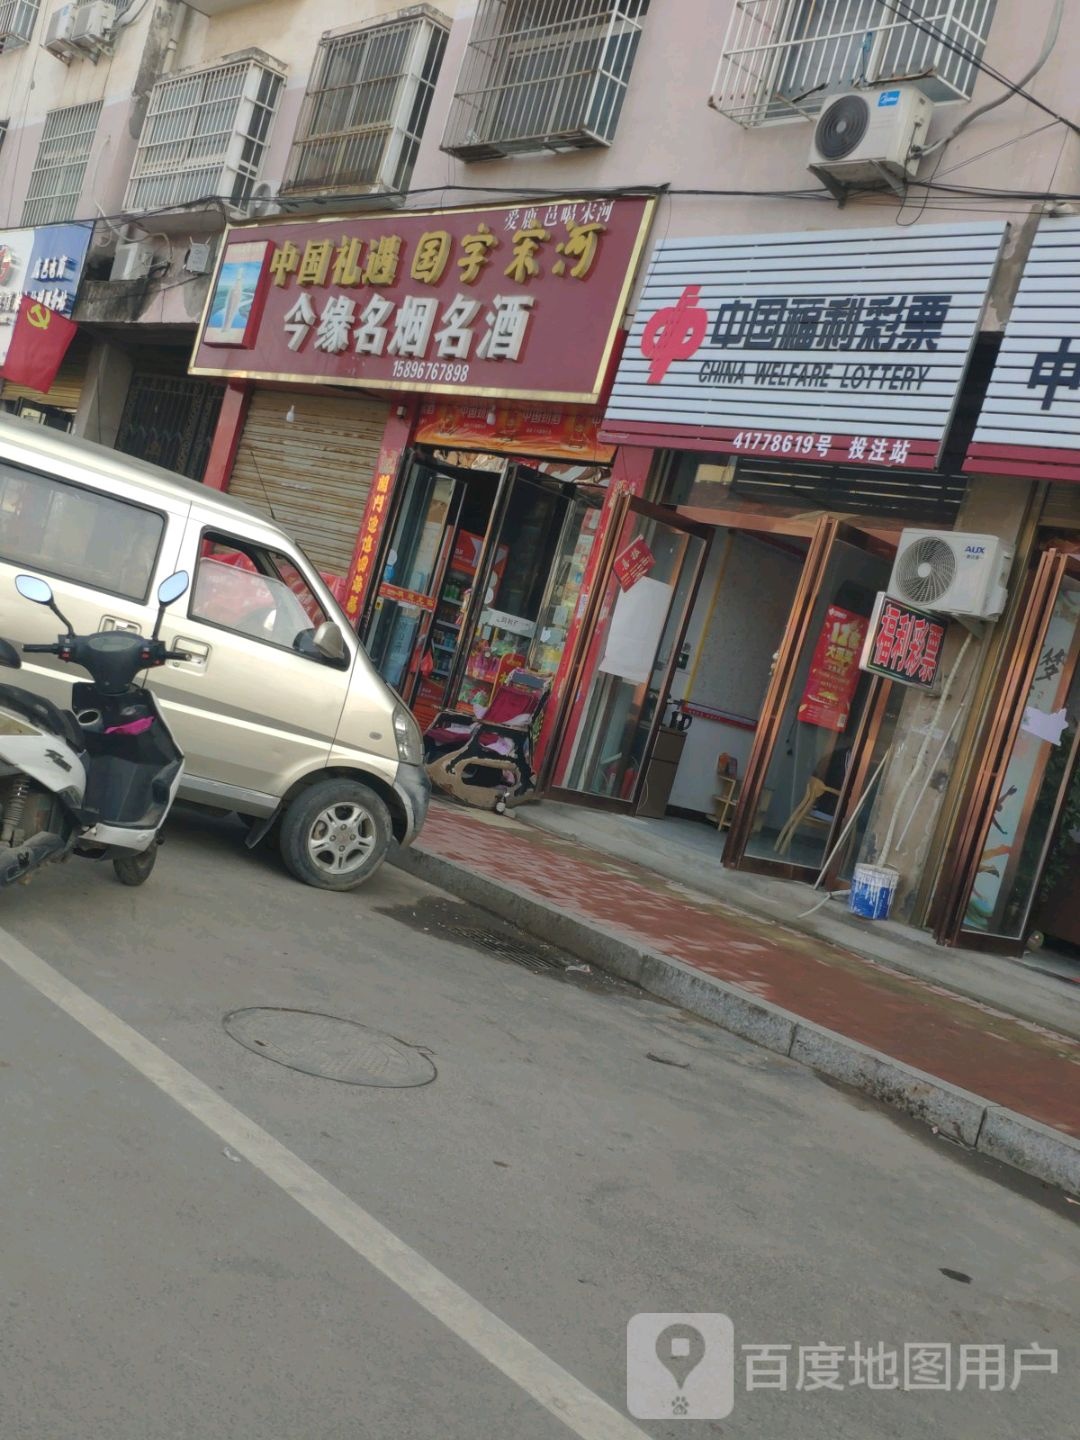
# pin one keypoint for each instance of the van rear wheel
(335, 835)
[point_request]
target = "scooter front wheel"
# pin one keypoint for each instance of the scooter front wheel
(135, 869)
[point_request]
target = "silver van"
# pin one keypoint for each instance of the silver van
(278, 710)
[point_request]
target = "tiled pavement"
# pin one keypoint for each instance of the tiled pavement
(1010, 1062)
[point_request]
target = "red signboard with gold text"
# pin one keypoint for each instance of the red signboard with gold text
(834, 670)
(534, 430)
(522, 301)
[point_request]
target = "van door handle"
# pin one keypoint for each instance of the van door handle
(197, 654)
(117, 622)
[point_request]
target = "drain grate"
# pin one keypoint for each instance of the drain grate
(329, 1047)
(443, 919)
(533, 957)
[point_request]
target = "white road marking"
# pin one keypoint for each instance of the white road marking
(584, 1412)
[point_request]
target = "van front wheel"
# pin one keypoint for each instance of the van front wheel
(335, 835)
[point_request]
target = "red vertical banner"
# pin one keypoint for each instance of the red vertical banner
(834, 670)
(396, 438)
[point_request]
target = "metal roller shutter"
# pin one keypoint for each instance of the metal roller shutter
(66, 389)
(312, 473)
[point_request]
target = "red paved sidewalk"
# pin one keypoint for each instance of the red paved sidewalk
(1011, 1062)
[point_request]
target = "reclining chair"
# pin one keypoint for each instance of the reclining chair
(487, 762)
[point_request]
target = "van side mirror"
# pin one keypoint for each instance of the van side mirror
(9, 656)
(330, 643)
(170, 591)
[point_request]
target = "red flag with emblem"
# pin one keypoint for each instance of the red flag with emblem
(39, 342)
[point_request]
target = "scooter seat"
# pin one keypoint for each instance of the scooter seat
(40, 711)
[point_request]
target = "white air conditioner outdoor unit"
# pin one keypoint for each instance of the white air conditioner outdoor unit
(867, 138)
(58, 33)
(92, 26)
(132, 260)
(952, 573)
(263, 202)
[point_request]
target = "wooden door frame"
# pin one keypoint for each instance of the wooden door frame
(828, 531)
(978, 798)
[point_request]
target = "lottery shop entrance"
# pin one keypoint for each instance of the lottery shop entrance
(727, 688)
(479, 576)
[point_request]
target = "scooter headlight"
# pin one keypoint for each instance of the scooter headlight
(407, 734)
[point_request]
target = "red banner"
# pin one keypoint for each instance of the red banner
(523, 301)
(834, 670)
(39, 342)
(538, 431)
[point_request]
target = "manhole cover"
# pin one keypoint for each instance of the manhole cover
(329, 1047)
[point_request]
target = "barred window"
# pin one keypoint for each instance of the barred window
(17, 19)
(782, 58)
(205, 135)
(543, 75)
(56, 181)
(366, 106)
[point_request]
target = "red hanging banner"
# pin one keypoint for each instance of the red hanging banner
(834, 670)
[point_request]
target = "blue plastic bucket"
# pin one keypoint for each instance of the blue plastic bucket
(872, 891)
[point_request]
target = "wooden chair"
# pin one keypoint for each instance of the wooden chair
(806, 814)
(809, 813)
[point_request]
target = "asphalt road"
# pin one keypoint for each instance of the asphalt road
(198, 1242)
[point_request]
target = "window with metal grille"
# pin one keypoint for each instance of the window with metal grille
(204, 135)
(56, 180)
(782, 58)
(543, 75)
(366, 106)
(17, 19)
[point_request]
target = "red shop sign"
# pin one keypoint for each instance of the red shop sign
(633, 563)
(834, 670)
(521, 301)
(904, 644)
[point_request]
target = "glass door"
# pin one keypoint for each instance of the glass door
(821, 714)
(651, 579)
(510, 586)
(411, 637)
(1030, 821)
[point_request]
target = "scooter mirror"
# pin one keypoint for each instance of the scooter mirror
(172, 588)
(32, 587)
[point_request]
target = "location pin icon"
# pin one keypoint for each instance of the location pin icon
(680, 1349)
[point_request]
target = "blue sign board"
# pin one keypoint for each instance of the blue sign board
(56, 263)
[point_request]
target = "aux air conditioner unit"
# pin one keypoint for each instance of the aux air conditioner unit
(58, 33)
(952, 573)
(869, 138)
